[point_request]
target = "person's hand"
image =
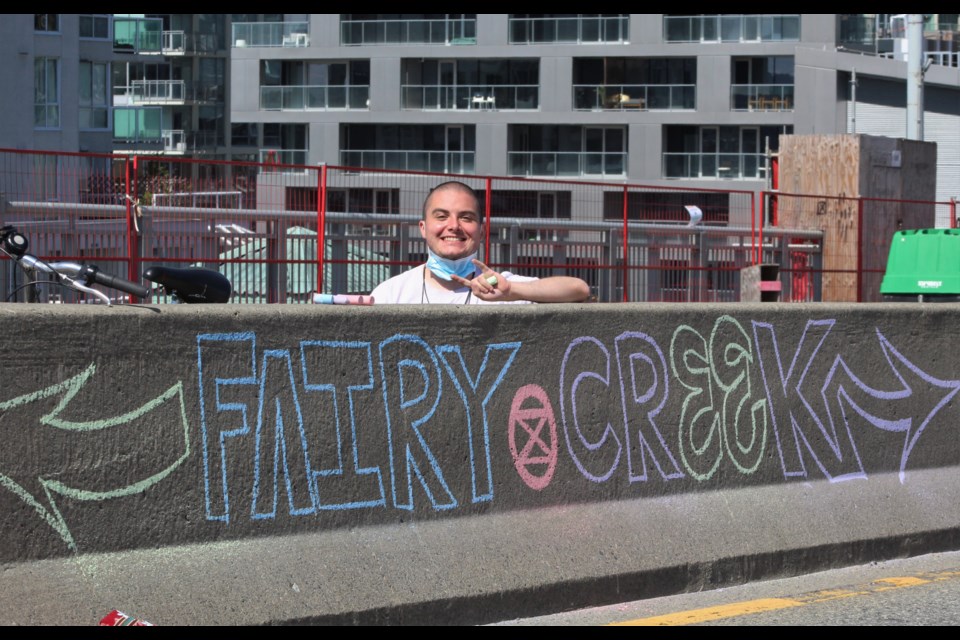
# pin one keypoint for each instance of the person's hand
(489, 285)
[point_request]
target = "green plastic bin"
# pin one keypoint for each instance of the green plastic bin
(923, 265)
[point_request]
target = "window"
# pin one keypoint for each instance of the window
(94, 105)
(46, 22)
(244, 133)
(96, 26)
(46, 93)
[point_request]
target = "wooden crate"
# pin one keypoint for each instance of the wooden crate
(844, 166)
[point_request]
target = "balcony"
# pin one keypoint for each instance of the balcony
(635, 97)
(157, 92)
(566, 163)
(732, 28)
(450, 31)
(314, 97)
(283, 157)
(271, 34)
(761, 97)
(470, 97)
(420, 160)
(746, 166)
(138, 35)
(569, 30)
(174, 141)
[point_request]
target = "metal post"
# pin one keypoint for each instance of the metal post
(915, 69)
(321, 224)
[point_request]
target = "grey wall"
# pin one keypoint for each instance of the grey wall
(401, 464)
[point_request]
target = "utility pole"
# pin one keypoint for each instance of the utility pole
(915, 69)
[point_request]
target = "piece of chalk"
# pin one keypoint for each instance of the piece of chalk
(326, 298)
(492, 280)
(351, 299)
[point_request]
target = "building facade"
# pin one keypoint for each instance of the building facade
(656, 99)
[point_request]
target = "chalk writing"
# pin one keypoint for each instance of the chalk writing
(38, 491)
(718, 371)
(287, 464)
(825, 434)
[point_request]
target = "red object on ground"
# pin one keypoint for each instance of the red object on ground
(120, 619)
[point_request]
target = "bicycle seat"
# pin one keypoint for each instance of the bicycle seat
(194, 285)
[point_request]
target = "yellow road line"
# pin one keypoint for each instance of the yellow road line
(748, 607)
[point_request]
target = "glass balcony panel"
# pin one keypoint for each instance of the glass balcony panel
(359, 97)
(315, 97)
(337, 97)
(590, 30)
(729, 165)
(708, 166)
(613, 164)
(568, 164)
(293, 98)
(271, 98)
(593, 163)
(751, 165)
(731, 28)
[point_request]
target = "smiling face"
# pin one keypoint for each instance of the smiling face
(451, 223)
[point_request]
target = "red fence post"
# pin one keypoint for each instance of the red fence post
(321, 225)
(132, 262)
(953, 213)
(626, 253)
(860, 249)
(488, 190)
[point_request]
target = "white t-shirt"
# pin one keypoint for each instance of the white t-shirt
(408, 288)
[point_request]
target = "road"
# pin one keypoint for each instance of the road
(919, 591)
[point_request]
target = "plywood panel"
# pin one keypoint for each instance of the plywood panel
(827, 172)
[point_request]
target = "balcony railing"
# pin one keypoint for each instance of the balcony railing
(174, 141)
(314, 97)
(422, 160)
(157, 91)
(761, 97)
(141, 92)
(137, 35)
(282, 157)
(271, 34)
(470, 97)
(714, 165)
(732, 28)
(566, 163)
(612, 29)
(444, 31)
(643, 97)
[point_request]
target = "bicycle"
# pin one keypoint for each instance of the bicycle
(72, 275)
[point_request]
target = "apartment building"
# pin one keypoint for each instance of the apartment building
(670, 100)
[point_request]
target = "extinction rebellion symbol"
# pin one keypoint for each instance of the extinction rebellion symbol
(532, 421)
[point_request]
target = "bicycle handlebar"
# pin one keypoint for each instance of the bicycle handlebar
(15, 245)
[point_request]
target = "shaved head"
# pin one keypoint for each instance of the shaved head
(455, 186)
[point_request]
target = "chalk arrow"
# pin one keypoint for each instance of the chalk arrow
(78, 454)
(879, 408)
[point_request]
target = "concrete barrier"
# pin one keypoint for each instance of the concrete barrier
(235, 465)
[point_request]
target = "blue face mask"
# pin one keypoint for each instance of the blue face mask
(443, 268)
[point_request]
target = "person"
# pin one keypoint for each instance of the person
(452, 227)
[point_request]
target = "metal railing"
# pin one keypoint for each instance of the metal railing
(714, 165)
(635, 97)
(470, 97)
(410, 160)
(607, 29)
(776, 27)
(314, 97)
(270, 34)
(440, 31)
(566, 163)
(761, 97)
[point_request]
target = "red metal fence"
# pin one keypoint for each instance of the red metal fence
(280, 232)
